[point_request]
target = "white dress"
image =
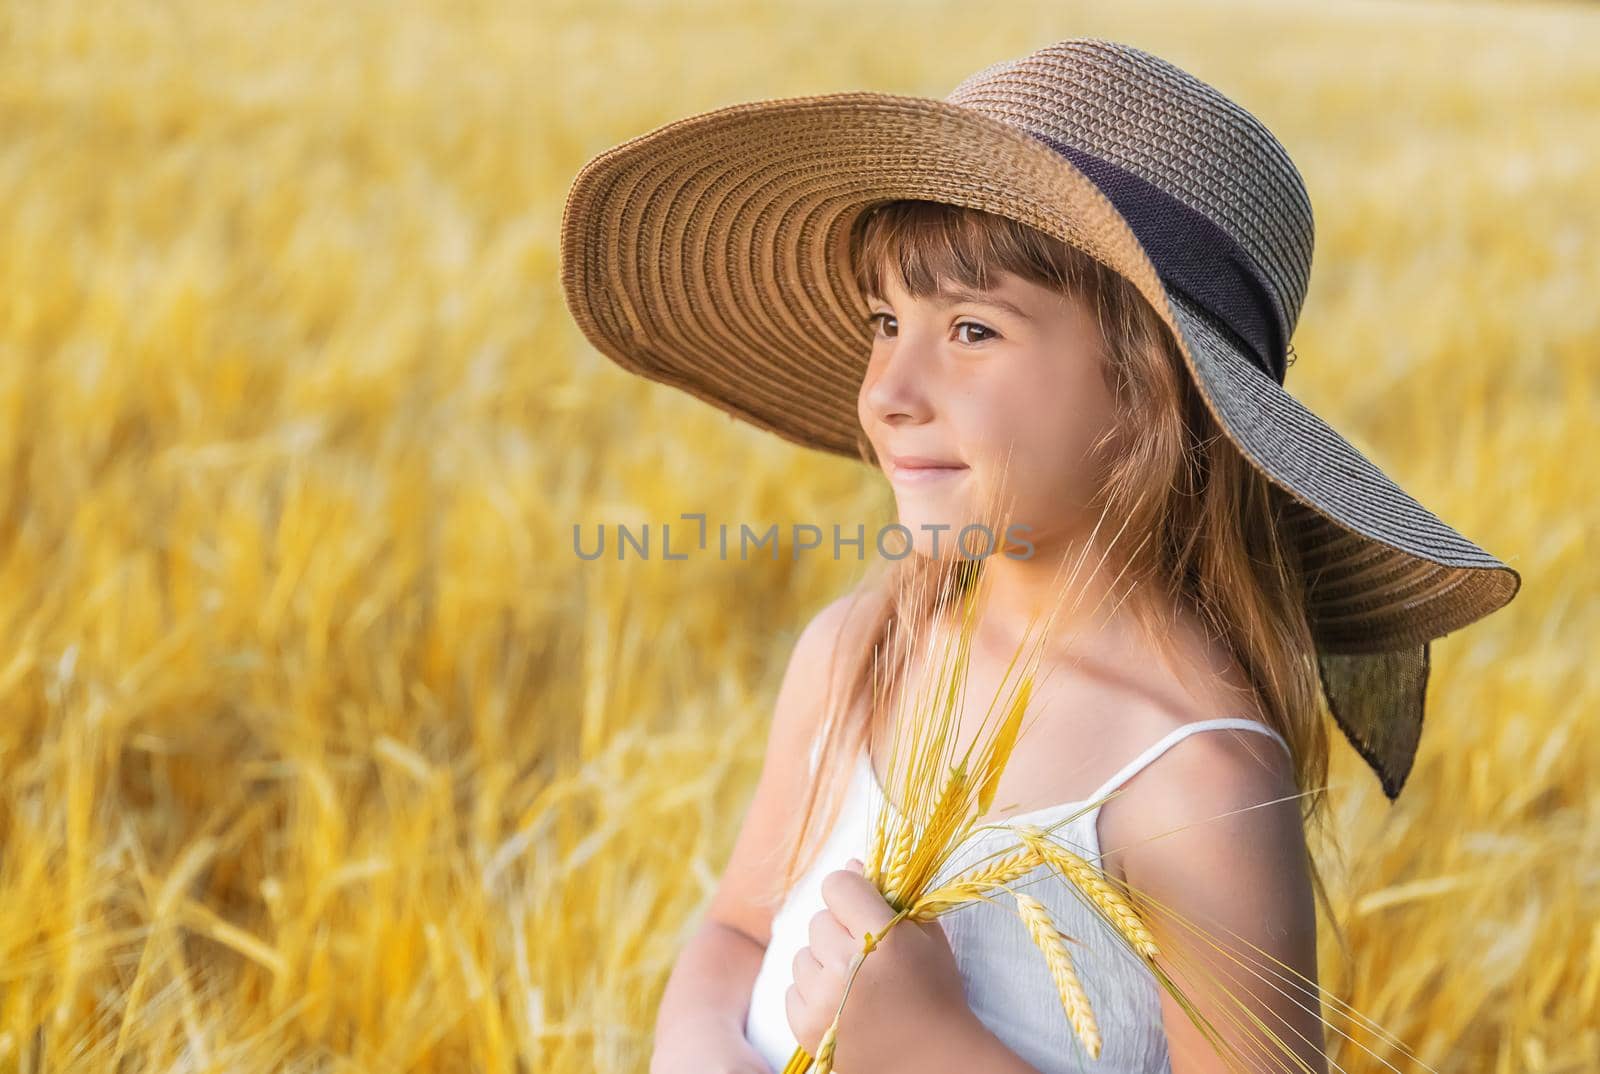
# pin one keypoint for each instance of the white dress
(1006, 980)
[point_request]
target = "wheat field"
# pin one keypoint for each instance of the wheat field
(323, 751)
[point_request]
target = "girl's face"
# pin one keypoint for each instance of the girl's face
(962, 379)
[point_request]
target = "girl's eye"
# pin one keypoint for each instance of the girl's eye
(973, 324)
(875, 318)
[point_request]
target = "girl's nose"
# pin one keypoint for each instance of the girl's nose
(902, 389)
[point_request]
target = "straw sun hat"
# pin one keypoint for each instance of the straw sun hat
(711, 254)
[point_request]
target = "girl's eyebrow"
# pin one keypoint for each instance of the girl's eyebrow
(980, 298)
(950, 296)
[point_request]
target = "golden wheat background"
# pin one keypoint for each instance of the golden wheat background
(321, 748)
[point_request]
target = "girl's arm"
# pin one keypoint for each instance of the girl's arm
(707, 995)
(700, 1024)
(1195, 832)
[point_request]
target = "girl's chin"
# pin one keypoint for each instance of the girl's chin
(937, 501)
(934, 534)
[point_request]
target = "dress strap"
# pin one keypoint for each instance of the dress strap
(1178, 734)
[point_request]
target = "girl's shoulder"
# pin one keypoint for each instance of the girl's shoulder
(831, 653)
(1230, 781)
(840, 635)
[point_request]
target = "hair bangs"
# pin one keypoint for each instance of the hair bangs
(928, 246)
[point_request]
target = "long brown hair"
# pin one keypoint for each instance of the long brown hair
(1211, 523)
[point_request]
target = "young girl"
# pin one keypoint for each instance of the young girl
(1082, 266)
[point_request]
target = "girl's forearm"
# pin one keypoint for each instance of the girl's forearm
(709, 988)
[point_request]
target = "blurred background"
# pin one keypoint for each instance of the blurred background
(322, 750)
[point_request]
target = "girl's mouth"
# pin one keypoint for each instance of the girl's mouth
(915, 469)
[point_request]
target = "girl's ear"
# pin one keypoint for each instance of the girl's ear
(856, 865)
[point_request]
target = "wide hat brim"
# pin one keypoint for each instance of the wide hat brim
(711, 254)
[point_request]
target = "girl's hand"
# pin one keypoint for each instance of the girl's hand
(907, 992)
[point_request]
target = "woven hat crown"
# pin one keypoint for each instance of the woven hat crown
(1111, 106)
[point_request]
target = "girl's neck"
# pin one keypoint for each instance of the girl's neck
(1084, 604)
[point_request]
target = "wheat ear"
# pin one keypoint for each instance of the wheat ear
(1094, 884)
(897, 870)
(946, 819)
(825, 1049)
(975, 884)
(875, 863)
(1050, 940)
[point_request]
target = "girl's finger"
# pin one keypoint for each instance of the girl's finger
(805, 969)
(857, 904)
(831, 942)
